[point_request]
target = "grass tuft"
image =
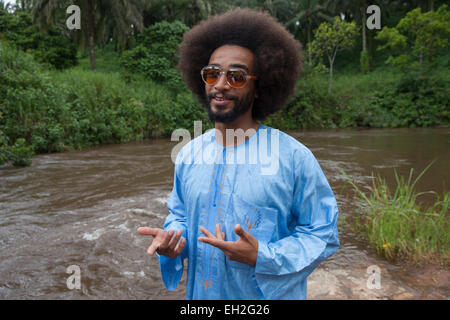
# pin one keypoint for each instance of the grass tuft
(398, 226)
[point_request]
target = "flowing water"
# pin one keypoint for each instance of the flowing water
(83, 208)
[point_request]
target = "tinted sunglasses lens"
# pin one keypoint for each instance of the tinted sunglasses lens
(211, 75)
(236, 78)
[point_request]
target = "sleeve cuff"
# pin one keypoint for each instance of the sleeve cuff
(171, 271)
(263, 259)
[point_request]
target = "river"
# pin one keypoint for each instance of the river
(82, 209)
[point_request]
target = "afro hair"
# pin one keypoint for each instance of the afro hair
(278, 55)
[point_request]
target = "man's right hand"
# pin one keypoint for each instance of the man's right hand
(164, 243)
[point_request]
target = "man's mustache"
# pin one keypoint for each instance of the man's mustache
(211, 95)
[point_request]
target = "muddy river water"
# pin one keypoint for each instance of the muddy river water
(82, 209)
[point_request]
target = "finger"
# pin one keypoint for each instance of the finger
(207, 233)
(166, 239)
(241, 232)
(219, 234)
(174, 241)
(212, 241)
(147, 231)
(180, 246)
(153, 247)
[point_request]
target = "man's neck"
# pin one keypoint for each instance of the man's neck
(244, 122)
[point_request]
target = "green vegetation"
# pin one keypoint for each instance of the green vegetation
(59, 111)
(155, 55)
(62, 90)
(417, 35)
(332, 38)
(51, 48)
(379, 99)
(398, 226)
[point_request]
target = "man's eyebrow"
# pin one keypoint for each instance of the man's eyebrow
(234, 65)
(242, 66)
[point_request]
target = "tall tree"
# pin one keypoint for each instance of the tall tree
(117, 18)
(356, 10)
(329, 39)
(309, 13)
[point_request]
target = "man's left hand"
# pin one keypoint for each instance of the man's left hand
(244, 250)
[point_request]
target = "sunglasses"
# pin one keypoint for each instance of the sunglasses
(236, 78)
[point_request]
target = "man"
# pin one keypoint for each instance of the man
(247, 232)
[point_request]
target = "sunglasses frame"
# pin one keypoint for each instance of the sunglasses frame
(246, 75)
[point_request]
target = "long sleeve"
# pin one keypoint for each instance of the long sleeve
(172, 268)
(284, 263)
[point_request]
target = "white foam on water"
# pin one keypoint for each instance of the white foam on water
(94, 235)
(133, 274)
(163, 200)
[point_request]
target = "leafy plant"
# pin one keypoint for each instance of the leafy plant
(50, 47)
(416, 36)
(155, 54)
(332, 38)
(397, 226)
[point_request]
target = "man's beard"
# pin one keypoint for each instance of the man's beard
(240, 107)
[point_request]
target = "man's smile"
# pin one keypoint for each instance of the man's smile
(221, 101)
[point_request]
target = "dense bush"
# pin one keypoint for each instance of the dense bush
(310, 107)
(382, 99)
(50, 47)
(57, 111)
(418, 99)
(163, 39)
(32, 106)
(19, 153)
(155, 55)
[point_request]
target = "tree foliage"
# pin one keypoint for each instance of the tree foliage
(417, 36)
(50, 47)
(329, 39)
(101, 21)
(156, 54)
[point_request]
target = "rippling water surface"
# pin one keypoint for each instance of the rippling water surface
(83, 208)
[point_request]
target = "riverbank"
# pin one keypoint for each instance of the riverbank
(57, 111)
(395, 283)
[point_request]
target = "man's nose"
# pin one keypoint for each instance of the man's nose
(222, 82)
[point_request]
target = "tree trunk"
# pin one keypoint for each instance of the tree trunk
(91, 33)
(370, 46)
(309, 42)
(330, 81)
(363, 24)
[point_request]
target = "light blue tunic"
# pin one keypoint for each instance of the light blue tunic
(282, 198)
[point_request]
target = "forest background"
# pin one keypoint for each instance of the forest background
(114, 80)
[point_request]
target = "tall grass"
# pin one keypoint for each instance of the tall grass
(398, 226)
(72, 109)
